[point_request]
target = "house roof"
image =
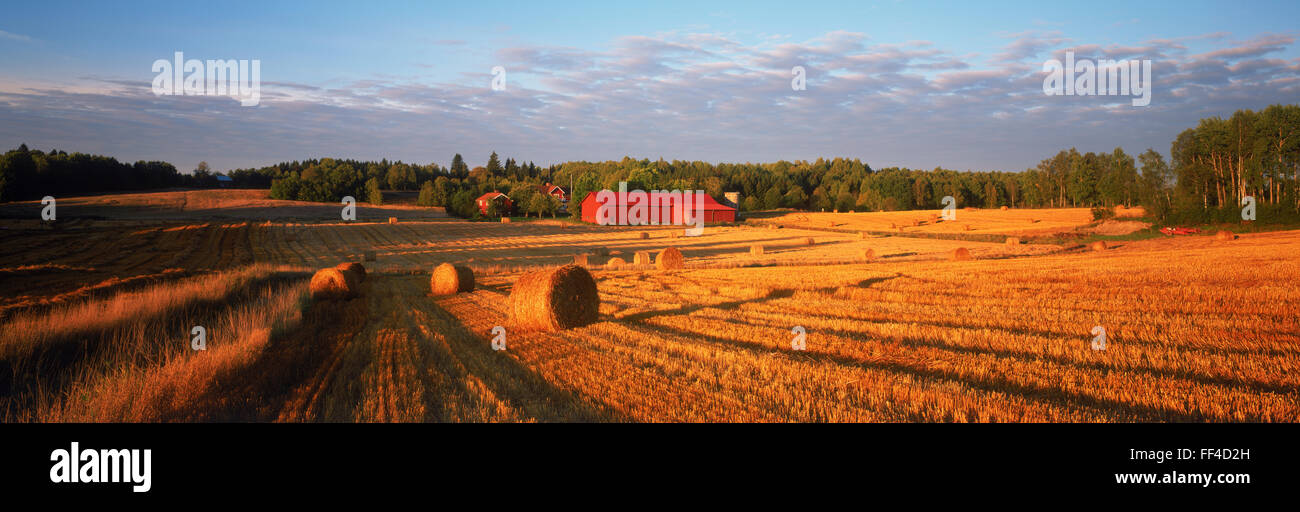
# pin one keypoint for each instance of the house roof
(620, 199)
(491, 195)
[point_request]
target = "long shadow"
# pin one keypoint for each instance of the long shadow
(1031, 393)
(1253, 384)
(516, 384)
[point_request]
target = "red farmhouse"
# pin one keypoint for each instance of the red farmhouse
(503, 201)
(712, 210)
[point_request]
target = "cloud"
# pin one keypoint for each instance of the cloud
(14, 37)
(687, 95)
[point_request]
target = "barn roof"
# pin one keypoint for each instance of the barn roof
(622, 198)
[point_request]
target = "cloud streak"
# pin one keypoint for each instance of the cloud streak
(684, 96)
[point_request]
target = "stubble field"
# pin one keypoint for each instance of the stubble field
(97, 312)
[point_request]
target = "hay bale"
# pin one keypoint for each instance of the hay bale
(864, 235)
(1099, 245)
(355, 268)
(1033, 221)
(670, 259)
(642, 258)
(505, 220)
(809, 241)
(831, 224)
(370, 256)
(334, 284)
(1224, 235)
(756, 250)
(643, 235)
(392, 220)
(615, 263)
(673, 234)
(965, 227)
(868, 254)
(554, 299)
(448, 279)
(1013, 240)
(961, 254)
(1004, 208)
(580, 259)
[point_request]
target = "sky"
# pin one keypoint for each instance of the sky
(957, 85)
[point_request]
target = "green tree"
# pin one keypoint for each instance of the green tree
(373, 195)
(427, 192)
(494, 165)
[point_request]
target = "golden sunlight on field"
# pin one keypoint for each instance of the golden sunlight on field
(96, 319)
(973, 221)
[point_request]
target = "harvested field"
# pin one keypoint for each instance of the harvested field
(1199, 329)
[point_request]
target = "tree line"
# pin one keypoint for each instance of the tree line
(1211, 168)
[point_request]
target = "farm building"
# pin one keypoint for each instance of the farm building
(712, 210)
(504, 204)
(561, 194)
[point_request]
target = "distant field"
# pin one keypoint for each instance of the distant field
(1019, 222)
(1198, 329)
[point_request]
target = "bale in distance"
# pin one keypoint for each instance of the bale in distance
(642, 258)
(864, 235)
(1004, 208)
(868, 254)
(555, 299)
(580, 259)
(673, 234)
(334, 284)
(965, 227)
(1099, 245)
(670, 259)
(756, 250)
(370, 256)
(392, 220)
(1013, 240)
(1224, 235)
(505, 220)
(355, 268)
(809, 241)
(615, 263)
(961, 254)
(643, 235)
(448, 279)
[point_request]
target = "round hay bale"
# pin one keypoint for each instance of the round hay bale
(670, 259)
(809, 241)
(615, 263)
(1099, 245)
(1224, 235)
(370, 256)
(355, 268)
(334, 284)
(392, 220)
(555, 299)
(644, 236)
(831, 224)
(965, 227)
(1013, 240)
(864, 235)
(756, 250)
(961, 254)
(1004, 208)
(580, 259)
(673, 234)
(505, 220)
(868, 254)
(642, 258)
(448, 279)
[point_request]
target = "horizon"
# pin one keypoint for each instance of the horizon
(915, 85)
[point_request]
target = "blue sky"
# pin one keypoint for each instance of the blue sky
(918, 84)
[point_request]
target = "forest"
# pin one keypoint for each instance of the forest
(1209, 169)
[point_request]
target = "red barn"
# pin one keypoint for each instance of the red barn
(712, 211)
(504, 204)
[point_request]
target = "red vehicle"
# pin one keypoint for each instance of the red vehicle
(1170, 230)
